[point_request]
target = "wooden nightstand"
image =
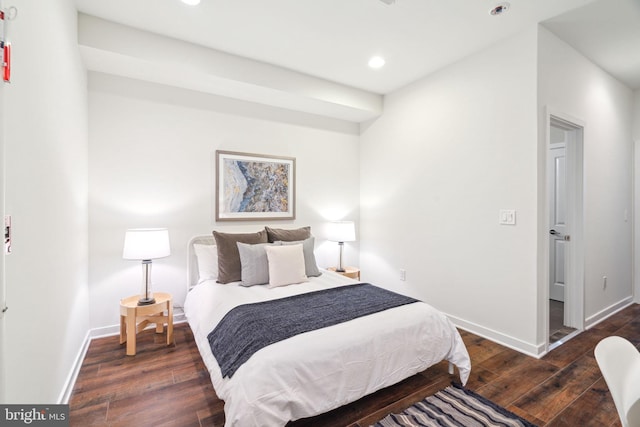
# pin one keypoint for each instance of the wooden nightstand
(351, 272)
(134, 318)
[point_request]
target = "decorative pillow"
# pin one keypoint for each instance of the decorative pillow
(275, 234)
(310, 264)
(207, 256)
(229, 268)
(286, 265)
(254, 266)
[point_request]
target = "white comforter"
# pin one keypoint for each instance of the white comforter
(317, 371)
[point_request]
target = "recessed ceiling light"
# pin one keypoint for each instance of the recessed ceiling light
(191, 2)
(500, 9)
(377, 62)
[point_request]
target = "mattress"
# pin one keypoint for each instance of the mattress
(320, 370)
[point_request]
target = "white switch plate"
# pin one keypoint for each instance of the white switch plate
(507, 217)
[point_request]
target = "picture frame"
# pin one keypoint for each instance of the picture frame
(252, 187)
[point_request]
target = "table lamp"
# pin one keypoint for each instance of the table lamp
(146, 244)
(341, 231)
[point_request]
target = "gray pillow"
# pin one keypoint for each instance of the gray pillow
(310, 264)
(279, 234)
(254, 264)
(229, 268)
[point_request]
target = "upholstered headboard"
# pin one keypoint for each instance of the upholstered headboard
(192, 262)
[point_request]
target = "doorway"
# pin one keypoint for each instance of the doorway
(565, 202)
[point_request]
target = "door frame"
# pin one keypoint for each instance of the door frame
(574, 253)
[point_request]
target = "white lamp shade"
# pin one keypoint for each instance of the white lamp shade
(146, 243)
(342, 231)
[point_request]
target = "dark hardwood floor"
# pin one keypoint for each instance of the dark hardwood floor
(169, 386)
(557, 330)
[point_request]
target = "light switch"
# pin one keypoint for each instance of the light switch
(507, 217)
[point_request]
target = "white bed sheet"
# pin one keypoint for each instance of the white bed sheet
(317, 371)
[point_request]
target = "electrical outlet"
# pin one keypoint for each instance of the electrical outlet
(403, 274)
(507, 217)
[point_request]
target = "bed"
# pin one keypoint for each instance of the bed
(320, 370)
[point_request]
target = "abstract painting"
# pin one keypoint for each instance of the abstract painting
(254, 186)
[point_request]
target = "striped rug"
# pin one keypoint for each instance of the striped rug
(454, 406)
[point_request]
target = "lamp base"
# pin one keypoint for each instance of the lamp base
(340, 270)
(146, 301)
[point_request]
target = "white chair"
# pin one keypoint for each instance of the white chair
(619, 362)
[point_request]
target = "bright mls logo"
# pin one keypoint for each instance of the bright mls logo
(36, 415)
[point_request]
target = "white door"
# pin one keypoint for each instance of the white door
(558, 220)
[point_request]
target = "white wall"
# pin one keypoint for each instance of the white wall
(150, 161)
(570, 83)
(450, 152)
(636, 138)
(636, 115)
(46, 193)
(3, 345)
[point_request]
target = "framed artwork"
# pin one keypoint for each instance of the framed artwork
(254, 187)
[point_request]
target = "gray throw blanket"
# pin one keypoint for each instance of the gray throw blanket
(249, 327)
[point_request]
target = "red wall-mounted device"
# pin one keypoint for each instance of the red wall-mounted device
(6, 64)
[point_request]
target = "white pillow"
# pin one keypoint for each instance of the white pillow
(310, 264)
(286, 265)
(207, 256)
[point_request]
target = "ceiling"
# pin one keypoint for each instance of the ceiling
(608, 33)
(332, 40)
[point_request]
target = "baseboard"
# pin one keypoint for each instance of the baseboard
(498, 337)
(536, 351)
(65, 395)
(607, 312)
(70, 382)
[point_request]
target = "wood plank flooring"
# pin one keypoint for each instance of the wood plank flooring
(170, 386)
